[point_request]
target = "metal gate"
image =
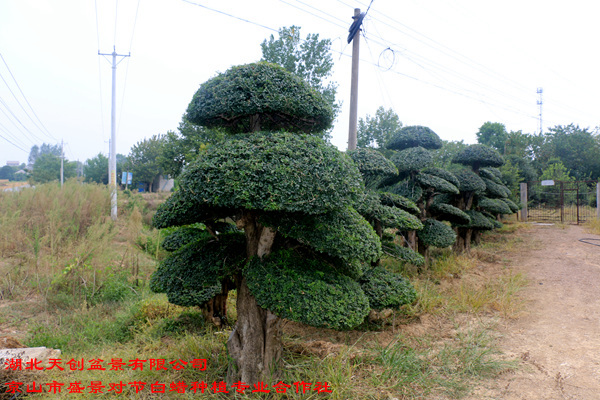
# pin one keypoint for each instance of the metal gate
(566, 202)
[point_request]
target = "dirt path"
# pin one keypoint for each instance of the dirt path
(557, 339)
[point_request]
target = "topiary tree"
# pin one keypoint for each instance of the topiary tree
(384, 209)
(421, 183)
(481, 191)
(300, 247)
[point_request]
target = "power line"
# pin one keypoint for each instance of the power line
(44, 130)
(116, 14)
(229, 15)
(12, 136)
(127, 67)
(14, 117)
(341, 25)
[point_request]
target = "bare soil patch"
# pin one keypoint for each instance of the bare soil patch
(557, 338)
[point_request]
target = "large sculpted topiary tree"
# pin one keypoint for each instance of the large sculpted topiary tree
(298, 247)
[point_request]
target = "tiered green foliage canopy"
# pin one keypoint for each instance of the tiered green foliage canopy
(423, 184)
(482, 193)
(260, 96)
(298, 246)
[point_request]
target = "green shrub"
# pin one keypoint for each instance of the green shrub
(182, 236)
(392, 217)
(479, 156)
(341, 233)
(497, 224)
(494, 190)
(442, 173)
(259, 95)
(412, 159)
(385, 289)
(478, 221)
(469, 181)
(447, 212)
(373, 165)
(437, 183)
(263, 171)
(514, 207)
(407, 189)
(436, 233)
(494, 206)
(493, 174)
(415, 136)
(395, 200)
(193, 274)
(304, 289)
(405, 254)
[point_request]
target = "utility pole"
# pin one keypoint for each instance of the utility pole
(112, 162)
(539, 103)
(355, 38)
(62, 162)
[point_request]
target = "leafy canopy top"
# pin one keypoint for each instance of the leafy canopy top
(260, 96)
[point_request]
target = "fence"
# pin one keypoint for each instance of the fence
(555, 201)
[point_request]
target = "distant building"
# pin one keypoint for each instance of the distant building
(13, 163)
(163, 184)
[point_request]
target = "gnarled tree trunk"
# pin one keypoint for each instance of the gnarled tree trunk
(255, 344)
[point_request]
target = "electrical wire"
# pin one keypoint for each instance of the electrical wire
(100, 74)
(229, 15)
(315, 15)
(116, 14)
(434, 68)
(14, 117)
(44, 130)
(127, 67)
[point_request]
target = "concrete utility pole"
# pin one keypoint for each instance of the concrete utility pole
(354, 84)
(62, 163)
(112, 161)
(540, 103)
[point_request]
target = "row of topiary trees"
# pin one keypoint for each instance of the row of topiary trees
(453, 208)
(297, 227)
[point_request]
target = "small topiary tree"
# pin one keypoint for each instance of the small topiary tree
(481, 191)
(384, 209)
(419, 182)
(300, 247)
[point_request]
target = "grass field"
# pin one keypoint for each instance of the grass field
(72, 279)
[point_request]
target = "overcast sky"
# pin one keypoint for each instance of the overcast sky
(450, 65)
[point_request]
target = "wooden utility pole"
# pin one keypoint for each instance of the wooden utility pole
(354, 85)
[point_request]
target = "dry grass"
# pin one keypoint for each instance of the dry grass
(76, 281)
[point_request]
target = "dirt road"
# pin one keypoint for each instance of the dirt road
(557, 339)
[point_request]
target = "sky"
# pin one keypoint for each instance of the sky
(451, 65)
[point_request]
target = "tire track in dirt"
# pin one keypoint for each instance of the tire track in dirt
(557, 338)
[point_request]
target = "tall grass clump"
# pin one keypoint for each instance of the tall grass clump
(58, 243)
(593, 226)
(47, 219)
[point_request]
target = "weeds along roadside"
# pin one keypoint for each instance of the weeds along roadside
(78, 282)
(60, 246)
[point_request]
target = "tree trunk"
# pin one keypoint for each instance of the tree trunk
(459, 245)
(215, 310)
(463, 240)
(468, 235)
(476, 237)
(412, 240)
(424, 251)
(255, 343)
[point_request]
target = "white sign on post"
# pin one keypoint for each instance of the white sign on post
(548, 183)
